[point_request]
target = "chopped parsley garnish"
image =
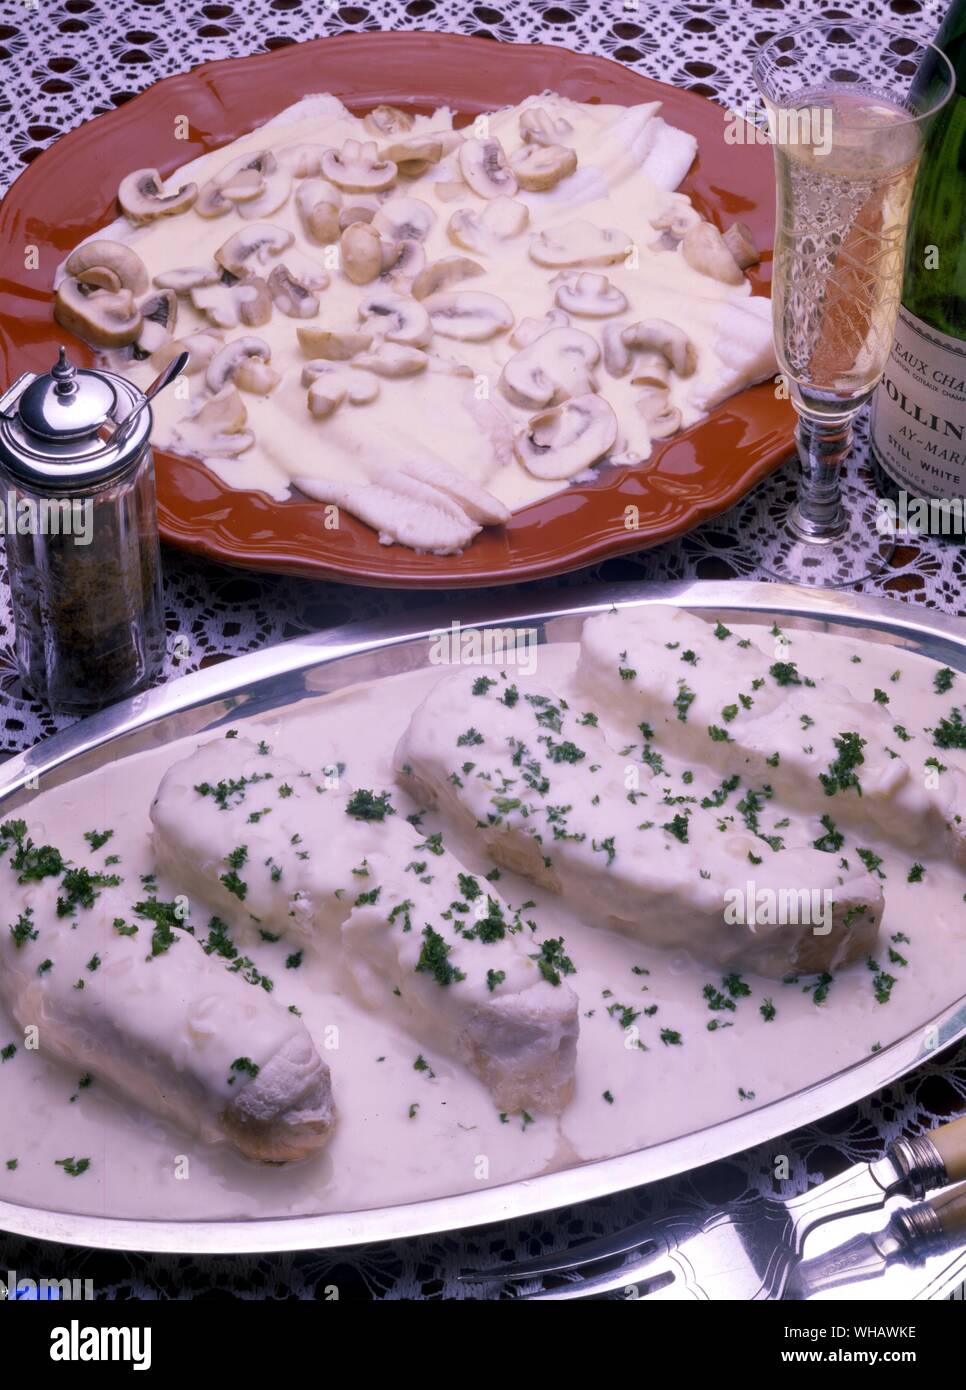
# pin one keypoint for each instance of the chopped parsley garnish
(494, 978)
(872, 861)
(624, 1014)
(943, 681)
(23, 930)
(433, 959)
(841, 773)
(98, 838)
(785, 673)
(552, 961)
(683, 701)
(82, 889)
(166, 917)
(73, 1167)
(365, 805)
(243, 1066)
(951, 732)
(916, 874)
(832, 840)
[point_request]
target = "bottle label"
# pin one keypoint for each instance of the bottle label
(919, 412)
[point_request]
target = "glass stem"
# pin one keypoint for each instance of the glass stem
(823, 446)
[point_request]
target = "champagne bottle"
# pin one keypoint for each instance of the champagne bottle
(919, 408)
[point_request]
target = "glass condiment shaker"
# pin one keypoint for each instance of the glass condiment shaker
(82, 548)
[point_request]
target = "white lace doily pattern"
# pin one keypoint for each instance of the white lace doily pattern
(63, 61)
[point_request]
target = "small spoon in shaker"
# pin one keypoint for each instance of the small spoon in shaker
(172, 370)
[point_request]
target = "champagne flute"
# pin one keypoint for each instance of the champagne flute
(848, 103)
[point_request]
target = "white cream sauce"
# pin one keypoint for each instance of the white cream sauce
(403, 1135)
(629, 160)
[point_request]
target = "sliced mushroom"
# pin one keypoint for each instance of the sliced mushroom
(413, 155)
(186, 278)
(663, 419)
(651, 369)
(274, 195)
(225, 306)
(254, 300)
(227, 364)
(318, 206)
(447, 366)
(333, 347)
(617, 355)
(159, 314)
(471, 316)
(579, 243)
(482, 232)
(705, 250)
(103, 318)
(262, 162)
(329, 386)
(200, 347)
(484, 166)
(113, 256)
(673, 223)
(396, 318)
(538, 127)
(217, 429)
(211, 202)
(402, 261)
(238, 175)
(657, 335)
(140, 197)
(388, 120)
(529, 330)
(301, 161)
(306, 269)
(252, 245)
(404, 219)
(740, 242)
(361, 209)
(98, 277)
(360, 249)
(443, 273)
(540, 167)
(590, 296)
(358, 168)
(556, 366)
(290, 296)
(562, 442)
(244, 186)
(392, 360)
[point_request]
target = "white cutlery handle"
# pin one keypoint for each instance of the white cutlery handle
(950, 1141)
(950, 1210)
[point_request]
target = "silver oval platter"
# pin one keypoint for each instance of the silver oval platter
(268, 683)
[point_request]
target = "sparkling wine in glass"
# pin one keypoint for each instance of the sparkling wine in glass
(848, 103)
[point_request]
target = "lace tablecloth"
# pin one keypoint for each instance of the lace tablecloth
(63, 61)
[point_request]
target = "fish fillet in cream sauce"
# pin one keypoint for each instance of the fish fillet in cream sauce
(668, 1042)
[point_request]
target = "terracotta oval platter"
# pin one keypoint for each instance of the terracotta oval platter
(69, 191)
